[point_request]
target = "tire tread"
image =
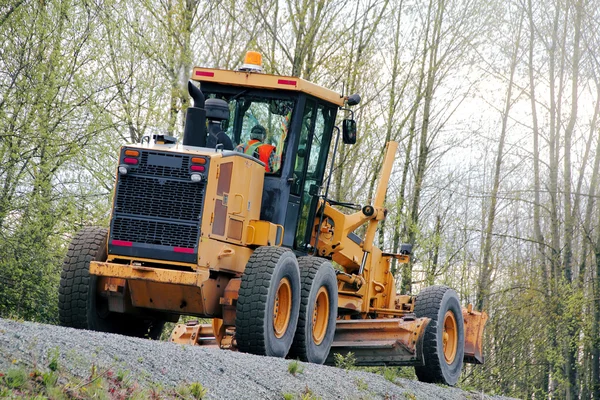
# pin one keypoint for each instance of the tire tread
(87, 245)
(252, 298)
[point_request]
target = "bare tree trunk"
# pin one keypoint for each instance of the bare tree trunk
(484, 281)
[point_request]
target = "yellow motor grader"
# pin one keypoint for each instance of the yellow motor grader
(234, 224)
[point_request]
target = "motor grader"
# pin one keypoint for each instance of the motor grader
(255, 244)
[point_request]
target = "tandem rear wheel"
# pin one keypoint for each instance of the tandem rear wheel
(79, 303)
(444, 341)
(318, 311)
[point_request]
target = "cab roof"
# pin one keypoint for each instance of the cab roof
(266, 81)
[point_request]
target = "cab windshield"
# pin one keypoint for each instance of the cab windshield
(247, 113)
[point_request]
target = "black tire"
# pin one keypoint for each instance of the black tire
(267, 268)
(315, 274)
(79, 304)
(434, 302)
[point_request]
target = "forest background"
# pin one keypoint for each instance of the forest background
(495, 104)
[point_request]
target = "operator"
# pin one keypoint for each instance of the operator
(258, 149)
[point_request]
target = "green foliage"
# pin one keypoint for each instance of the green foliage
(308, 394)
(50, 379)
(191, 391)
(390, 374)
(197, 390)
(294, 367)
(361, 384)
(53, 355)
(16, 378)
(345, 362)
(100, 384)
(288, 396)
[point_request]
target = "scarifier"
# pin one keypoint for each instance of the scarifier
(263, 252)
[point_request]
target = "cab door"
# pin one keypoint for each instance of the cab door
(310, 165)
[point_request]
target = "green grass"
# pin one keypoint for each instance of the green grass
(345, 362)
(294, 368)
(54, 384)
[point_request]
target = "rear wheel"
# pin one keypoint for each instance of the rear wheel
(79, 303)
(318, 311)
(444, 341)
(268, 302)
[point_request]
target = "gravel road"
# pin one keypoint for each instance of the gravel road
(226, 374)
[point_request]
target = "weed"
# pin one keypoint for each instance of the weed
(288, 396)
(53, 355)
(16, 378)
(345, 362)
(49, 379)
(308, 394)
(122, 376)
(361, 384)
(390, 374)
(56, 393)
(410, 396)
(197, 390)
(294, 368)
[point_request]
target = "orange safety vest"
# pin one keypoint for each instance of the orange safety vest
(264, 151)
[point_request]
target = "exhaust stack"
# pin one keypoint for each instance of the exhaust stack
(194, 133)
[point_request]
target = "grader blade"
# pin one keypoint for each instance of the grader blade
(392, 341)
(474, 324)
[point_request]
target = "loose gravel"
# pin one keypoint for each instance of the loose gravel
(226, 374)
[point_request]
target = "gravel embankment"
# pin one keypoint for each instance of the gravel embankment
(226, 374)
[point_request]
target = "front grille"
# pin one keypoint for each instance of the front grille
(154, 232)
(161, 198)
(158, 208)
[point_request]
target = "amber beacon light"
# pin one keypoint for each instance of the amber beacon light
(252, 62)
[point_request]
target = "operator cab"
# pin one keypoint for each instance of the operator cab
(298, 130)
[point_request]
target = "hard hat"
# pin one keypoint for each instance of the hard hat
(258, 132)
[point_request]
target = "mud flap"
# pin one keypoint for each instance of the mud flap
(474, 324)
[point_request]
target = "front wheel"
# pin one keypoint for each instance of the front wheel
(80, 305)
(318, 311)
(268, 302)
(444, 341)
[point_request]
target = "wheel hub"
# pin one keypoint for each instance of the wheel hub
(320, 317)
(450, 337)
(282, 308)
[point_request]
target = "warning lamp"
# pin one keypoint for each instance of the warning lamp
(252, 62)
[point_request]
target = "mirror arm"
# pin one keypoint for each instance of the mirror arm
(349, 110)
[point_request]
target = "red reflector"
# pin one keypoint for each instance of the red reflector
(183, 250)
(129, 160)
(199, 168)
(286, 82)
(121, 243)
(205, 73)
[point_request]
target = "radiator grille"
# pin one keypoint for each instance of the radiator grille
(160, 198)
(154, 232)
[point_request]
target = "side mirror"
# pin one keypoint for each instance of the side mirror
(349, 131)
(313, 190)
